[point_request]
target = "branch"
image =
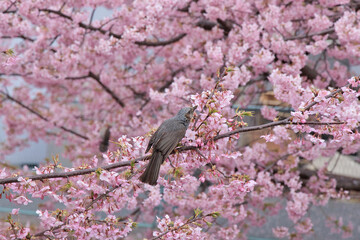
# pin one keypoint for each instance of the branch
(309, 72)
(108, 90)
(254, 128)
(327, 96)
(82, 25)
(136, 160)
(189, 221)
(323, 32)
(74, 173)
(206, 24)
(168, 83)
(77, 78)
(41, 116)
(19, 36)
(282, 122)
(344, 182)
(161, 43)
(8, 9)
(180, 149)
(272, 124)
(59, 13)
(118, 36)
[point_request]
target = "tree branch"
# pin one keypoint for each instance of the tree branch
(282, 122)
(136, 160)
(161, 43)
(323, 32)
(189, 221)
(8, 9)
(327, 96)
(108, 90)
(41, 116)
(118, 36)
(74, 173)
(181, 149)
(82, 25)
(19, 36)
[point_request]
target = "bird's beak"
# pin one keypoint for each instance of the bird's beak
(193, 109)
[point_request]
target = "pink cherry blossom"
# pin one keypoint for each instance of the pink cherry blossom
(269, 113)
(15, 211)
(71, 70)
(22, 200)
(281, 232)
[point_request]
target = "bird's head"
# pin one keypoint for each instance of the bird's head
(187, 112)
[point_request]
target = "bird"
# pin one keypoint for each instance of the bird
(163, 142)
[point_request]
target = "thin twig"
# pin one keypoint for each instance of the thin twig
(189, 221)
(336, 162)
(326, 31)
(90, 21)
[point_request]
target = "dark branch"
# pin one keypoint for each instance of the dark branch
(161, 43)
(77, 78)
(309, 72)
(23, 106)
(108, 90)
(19, 36)
(168, 83)
(323, 32)
(41, 116)
(73, 173)
(186, 7)
(82, 25)
(206, 24)
(118, 36)
(59, 13)
(8, 9)
(272, 124)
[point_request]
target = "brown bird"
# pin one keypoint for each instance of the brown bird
(163, 142)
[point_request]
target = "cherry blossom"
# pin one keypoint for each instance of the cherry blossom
(68, 72)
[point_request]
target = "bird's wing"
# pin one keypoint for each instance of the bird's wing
(168, 141)
(152, 140)
(159, 133)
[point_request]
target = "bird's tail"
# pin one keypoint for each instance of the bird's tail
(152, 170)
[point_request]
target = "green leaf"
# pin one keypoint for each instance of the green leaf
(134, 225)
(132, 164)
(198, 212)
(246, 113)
(66, 187)
(127, 173)
(98, 171)
(229, 69)
(215, 214)
(9, 52)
